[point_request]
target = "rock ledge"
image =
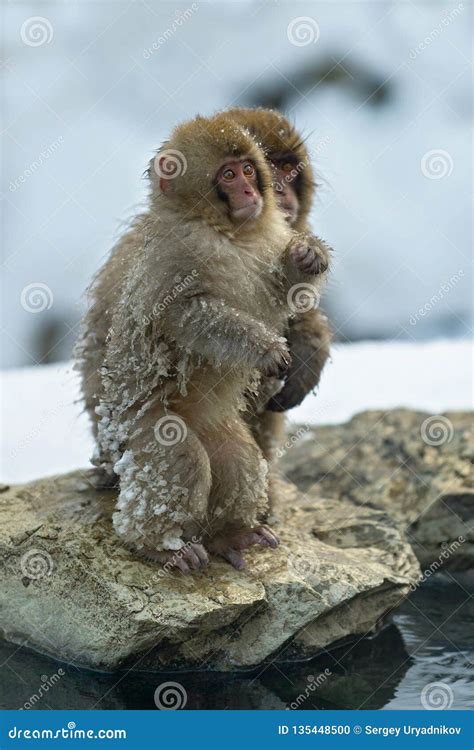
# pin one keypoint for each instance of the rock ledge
(71, 590)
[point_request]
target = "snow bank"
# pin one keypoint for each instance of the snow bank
(45, 430)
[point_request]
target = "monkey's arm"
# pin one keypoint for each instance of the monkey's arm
(226, 336)
(309, 339)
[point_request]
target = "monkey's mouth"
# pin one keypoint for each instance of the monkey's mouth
(245, 213)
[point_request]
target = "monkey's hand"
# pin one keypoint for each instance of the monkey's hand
(291, 395)
(308, 255)
(276, 360)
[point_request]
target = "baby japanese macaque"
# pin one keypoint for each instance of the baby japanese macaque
(308, 332)
(187, 316)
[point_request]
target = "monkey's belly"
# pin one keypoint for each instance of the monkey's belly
(212, 394)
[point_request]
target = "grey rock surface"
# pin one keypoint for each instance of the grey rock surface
(70, 589)
(415, 467)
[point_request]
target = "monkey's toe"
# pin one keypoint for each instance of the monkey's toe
(230, 547)
(195, 556)
(267, 536)
(192, 556)
(233, 556)
(262, 535)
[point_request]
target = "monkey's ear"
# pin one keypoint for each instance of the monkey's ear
(162, 171)
(165, 169)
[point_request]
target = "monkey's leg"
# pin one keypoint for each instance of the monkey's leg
(268, 429)
(165, 480)
(90, 353)
(239, 492)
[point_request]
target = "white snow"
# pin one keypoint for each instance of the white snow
(98, 105)
(45, 431)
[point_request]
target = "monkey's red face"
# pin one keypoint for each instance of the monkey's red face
(285, 177)
(237, 185)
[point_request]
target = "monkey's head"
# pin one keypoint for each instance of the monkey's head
(293, 179)
(212, 168)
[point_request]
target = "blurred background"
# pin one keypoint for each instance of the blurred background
(381, 90)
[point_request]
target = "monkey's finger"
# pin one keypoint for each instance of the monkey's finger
(234, 557)
(310, 260)
(300, 250)
(321, 264)
(201, 553)
(300, 253)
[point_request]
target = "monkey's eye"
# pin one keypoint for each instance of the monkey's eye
(287, 166)
(248, 170)
(228, 174)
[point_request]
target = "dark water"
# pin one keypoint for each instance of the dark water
(430, 639)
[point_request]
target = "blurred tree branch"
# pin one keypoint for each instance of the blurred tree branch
(356, 79)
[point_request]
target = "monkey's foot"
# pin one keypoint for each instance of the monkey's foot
(230, 546)
(191, 556)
